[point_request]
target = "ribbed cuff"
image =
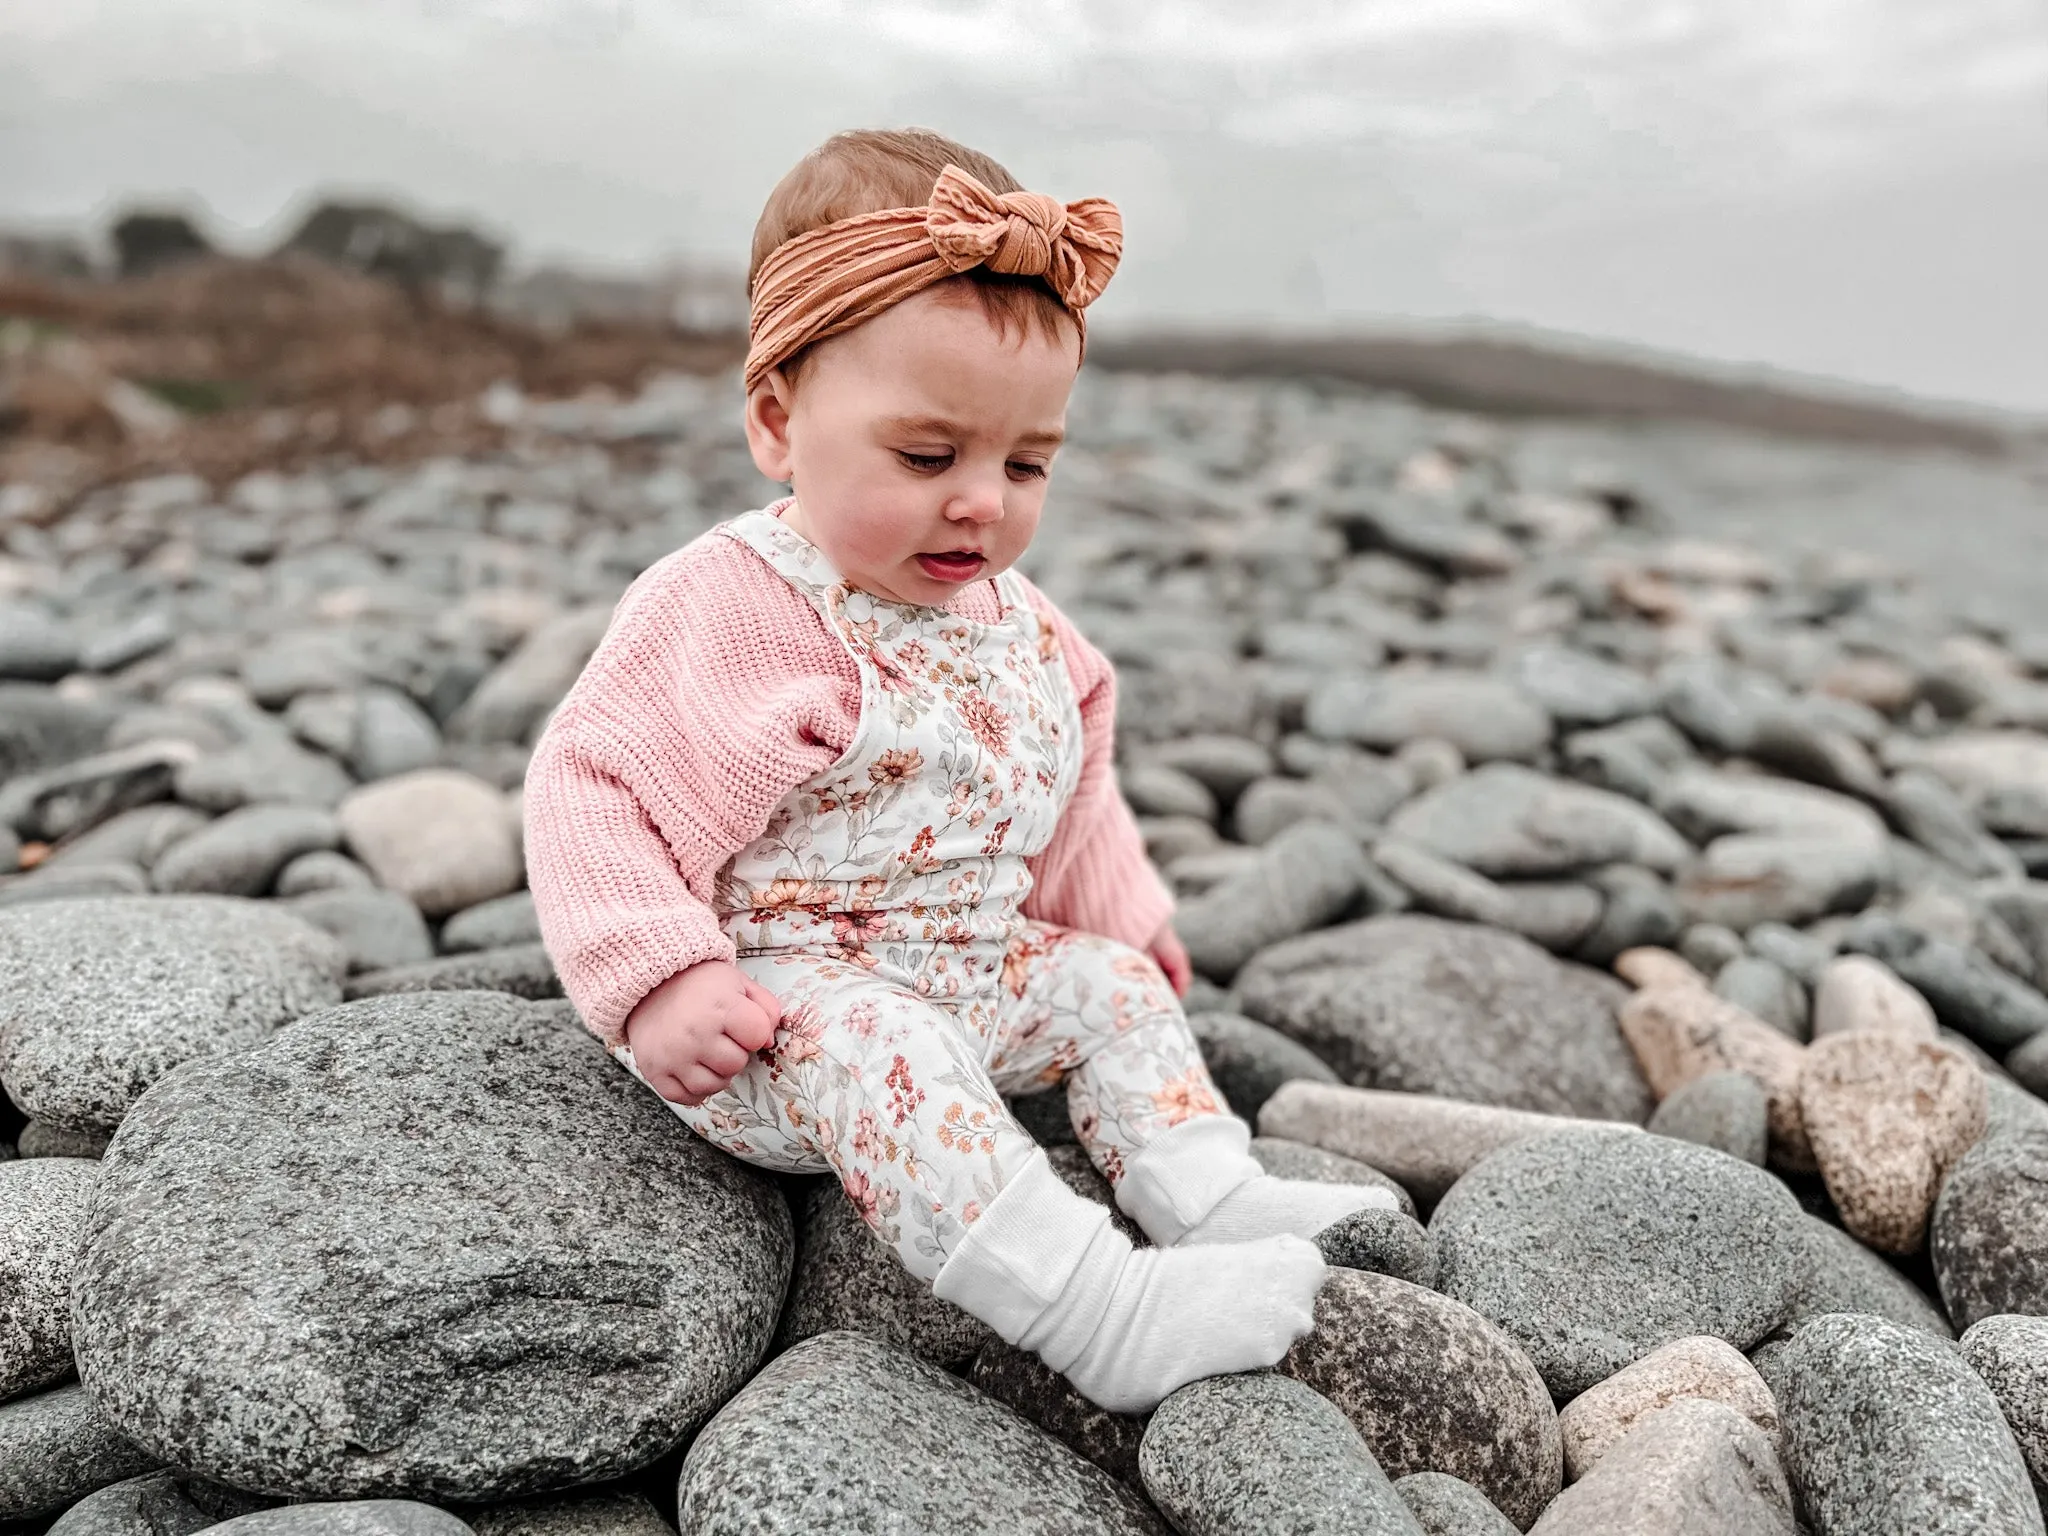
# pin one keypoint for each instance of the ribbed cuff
(1020, 1255)
(1177, 1177)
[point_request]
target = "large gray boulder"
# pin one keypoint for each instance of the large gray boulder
(1591, 1248)
(529, 1272)
(2010, 1354)
(57, 1447)
(42, 1211)
(100, 997)
(846, 1433)
(1424, 1005)
(1257, 1453)
(1887, 1430)
(1989, 1236)
(1514, 823)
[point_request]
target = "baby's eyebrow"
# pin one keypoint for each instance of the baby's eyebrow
(1050, 438)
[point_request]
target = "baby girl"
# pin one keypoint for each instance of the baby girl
(826, 840)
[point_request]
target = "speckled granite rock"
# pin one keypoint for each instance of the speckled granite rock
(40, 1140)
(1303, 878)
(495, 924)
(1285, 1159)
(1727, 1111)
(1703, 1367)
(488, 1317)
(1989, 1236)
(380, 929)
(101, 997)
(846, 1433)
(57, 1447)
(1839, 1274)
(2010, 1354)
(524, 970)
(364, 1517)
(1592, 1248)
(1692, 1468)
(42, 1211)
(157, 1504)
(1888, 1430)
(1432, 1386)
(1258, 1454)
(1449, 1506)
(1887, 1117)
(845, 1278)
(572, 1514)
(1040, 1395)
(1429, 1006)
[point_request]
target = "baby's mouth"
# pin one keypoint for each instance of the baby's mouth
(952, 564)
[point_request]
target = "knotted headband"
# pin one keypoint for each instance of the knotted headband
(829, 280)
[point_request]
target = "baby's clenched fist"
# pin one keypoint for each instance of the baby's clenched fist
(693, 1034)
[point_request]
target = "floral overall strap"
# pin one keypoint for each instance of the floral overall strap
(909, 852)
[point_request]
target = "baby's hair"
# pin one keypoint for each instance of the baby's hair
(865, 170)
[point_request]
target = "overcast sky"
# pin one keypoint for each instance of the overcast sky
(1853, 188)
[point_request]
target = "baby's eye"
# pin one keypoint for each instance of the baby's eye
(1029, 471)
(925, 460)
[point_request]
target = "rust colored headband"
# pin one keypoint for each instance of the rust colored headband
(829, 280)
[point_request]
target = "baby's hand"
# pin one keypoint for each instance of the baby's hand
(692, 1035)
(1171, 956)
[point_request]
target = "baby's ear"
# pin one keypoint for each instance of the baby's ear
(769, 405)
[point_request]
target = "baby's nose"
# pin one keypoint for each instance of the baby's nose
(980, 501)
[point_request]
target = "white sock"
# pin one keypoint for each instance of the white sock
(1199, 1183)
(1047, 1271)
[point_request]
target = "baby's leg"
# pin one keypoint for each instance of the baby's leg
(1142, 1101)
(889, 1091)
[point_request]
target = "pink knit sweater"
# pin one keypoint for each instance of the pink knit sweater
(716, 690)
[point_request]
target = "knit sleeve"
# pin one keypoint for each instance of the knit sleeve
(714, 692)
(1094, 874)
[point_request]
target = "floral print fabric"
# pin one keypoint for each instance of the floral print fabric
(882, 905)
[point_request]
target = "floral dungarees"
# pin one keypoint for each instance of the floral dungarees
(883, 906)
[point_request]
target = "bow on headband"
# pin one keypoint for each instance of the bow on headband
(832, 279)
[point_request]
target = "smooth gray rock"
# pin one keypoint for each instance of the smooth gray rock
(103, 996)
(40, 1140)
(846, 1279)
(1989, 1236)
(1768, 991)
(379, 929)
(1692, 1468)
(487, 1318)
(2010, 1353)
(1248, 1060)
(159, 1504)
(1803, 955)
(1155, 789)
(1432, 1386)
(572, 1514)
(1303, 878)
(1640, 909)
(10, 850)
(1444, 1505)
(1578, 689)
(139, 837)
(71, 882)
(1632, 759)
(1512, 822)
(1038, 1394)
(1429, 1006)
(1270, 806)
(40, 728)
(499, 923)
(1591, 1248)
(1887, 1430)
(112, 649)
(57, 1447)
(1709, 947)
(845, 1433)
(242, 852)
(1727, 1111)
(524, 970)
(42, 1211)
(1225, 764)
(1382, 1242)
(1262, 1455)
(514, 700)
(35, 645)
(1841, 1275)
(73, 798)
(261, 772)
(364, 1517)
(392, 735)
(1968, 992)
(1765, 877)
(1486, 718)
(311, 872)
(1924, 808)
(1705, 804)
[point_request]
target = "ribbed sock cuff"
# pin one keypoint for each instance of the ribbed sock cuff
(1019, 1256)
(1175, 1179)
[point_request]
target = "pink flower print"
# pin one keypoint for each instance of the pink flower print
(1184, 1097)
(861, 1019)
(855, 929)
(788, 895)
(1113, 1164)
(896, 766)
(1048, 643)
(962, 1132)
(860, 1189)
(993, 843)
(871, 1141)
(904, 1094)
(913, 656)
(991, 727)
(1017, 776)
(970, 1213)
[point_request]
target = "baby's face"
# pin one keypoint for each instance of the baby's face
(918, 445)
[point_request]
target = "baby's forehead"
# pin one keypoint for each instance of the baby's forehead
(966, 425)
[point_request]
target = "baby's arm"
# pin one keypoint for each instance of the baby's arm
(1094, 874)
(713, 693)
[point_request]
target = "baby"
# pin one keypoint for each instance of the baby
(826, 841)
